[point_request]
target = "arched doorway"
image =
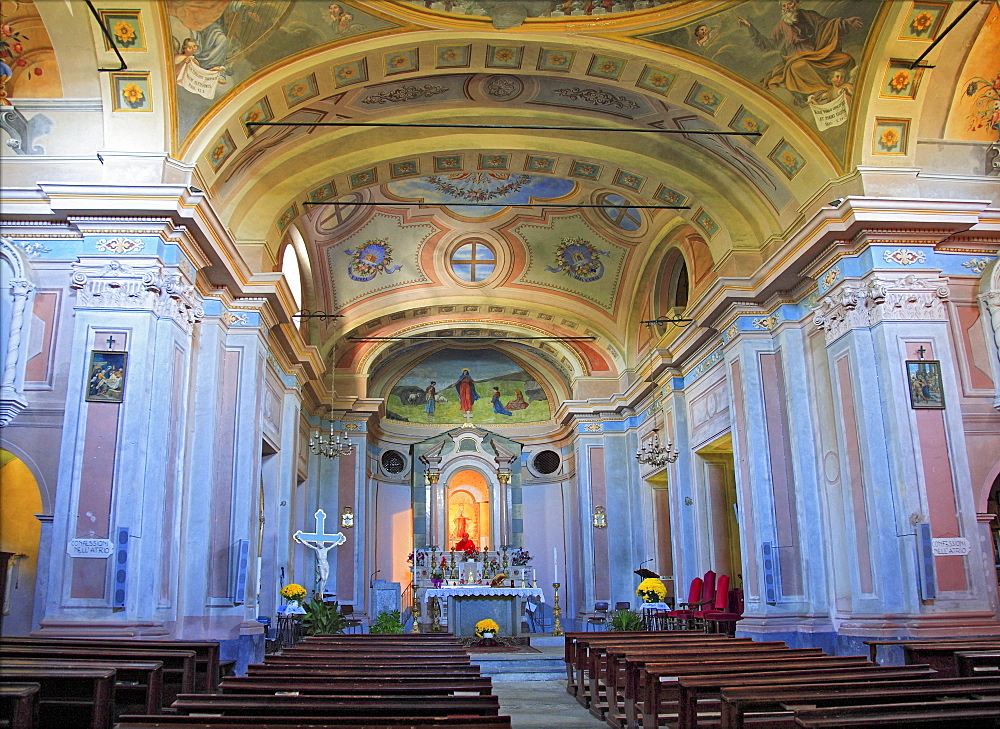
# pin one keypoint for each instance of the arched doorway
(19, 535)
(469, 509)
(993, 507)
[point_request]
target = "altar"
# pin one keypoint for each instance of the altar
(468, 604)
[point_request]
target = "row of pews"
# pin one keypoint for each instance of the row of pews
(89, 682)
(648, 680)
(335, 682)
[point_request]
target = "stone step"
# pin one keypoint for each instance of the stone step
(508, 667)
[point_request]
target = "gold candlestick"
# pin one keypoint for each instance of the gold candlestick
(435, 611)
(416, 614)
(454, 573)
(557, 628)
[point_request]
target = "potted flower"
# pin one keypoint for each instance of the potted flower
(651, 589)
(294, 594)
(437, 572)
(487, 628)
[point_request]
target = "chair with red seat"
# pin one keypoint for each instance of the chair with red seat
(726, 610)
(701, 593)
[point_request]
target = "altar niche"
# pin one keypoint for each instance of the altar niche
(468, 511)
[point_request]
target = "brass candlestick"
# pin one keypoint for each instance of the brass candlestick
(454, 573)
(557, 628)
(416, 614)
(435, 611)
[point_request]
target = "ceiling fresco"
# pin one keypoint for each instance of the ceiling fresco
(502, 188)
(808, 55)
(218, 44)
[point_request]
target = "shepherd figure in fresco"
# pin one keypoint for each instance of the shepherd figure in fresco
(498, 407)
(430, 394)
(465, 386)
(810, 45)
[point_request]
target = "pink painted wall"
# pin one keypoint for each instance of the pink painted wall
(599, 496)
(940, 487)
(345, 497)
(97, 472)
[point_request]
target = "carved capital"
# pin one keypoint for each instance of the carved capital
(907, 297)
(913, 298)
(848, 307)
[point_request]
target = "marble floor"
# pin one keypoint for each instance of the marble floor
(542, 705)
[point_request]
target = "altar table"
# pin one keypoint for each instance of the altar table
(468, 604)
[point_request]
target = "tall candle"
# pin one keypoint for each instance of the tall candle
(555, 565)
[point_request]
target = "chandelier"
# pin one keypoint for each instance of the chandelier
(331, 446)
(656, 455)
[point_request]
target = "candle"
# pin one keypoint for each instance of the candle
(555, 565)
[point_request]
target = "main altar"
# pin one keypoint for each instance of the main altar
(453, 590)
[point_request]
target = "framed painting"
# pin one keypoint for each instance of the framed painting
(924, 379)
(106, 376)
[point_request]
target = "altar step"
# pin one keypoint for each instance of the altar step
(545, 665)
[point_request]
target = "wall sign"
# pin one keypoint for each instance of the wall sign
(944, 547)
(90, 548)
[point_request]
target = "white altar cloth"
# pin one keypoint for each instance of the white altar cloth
(483, 591)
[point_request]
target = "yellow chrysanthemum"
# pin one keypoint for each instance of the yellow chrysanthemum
(293, 591)
(651, 589)
(487, 626)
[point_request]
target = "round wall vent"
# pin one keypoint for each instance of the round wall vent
(546, 462)
(393, 462)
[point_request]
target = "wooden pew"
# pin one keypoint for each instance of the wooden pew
(357, 685)
(739, 700)
(874, 645)
(941, 655)
(960, 714)
(281, 722)
(978, 663)
(661, 679)
(624, 677)
(591, 655)
(177, 677)
(74, 698)
(341, 707)
(19, 705)
(138, 684)
(267, 670)
(207, 663)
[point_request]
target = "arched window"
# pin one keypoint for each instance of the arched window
(616, 210)
(674, 286)
(293, 274)
(474, 261)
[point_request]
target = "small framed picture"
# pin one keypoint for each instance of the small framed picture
(106, 376)
(924, 379)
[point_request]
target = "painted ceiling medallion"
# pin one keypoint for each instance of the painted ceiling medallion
(373, 258)
(479, 186)
(579, 259)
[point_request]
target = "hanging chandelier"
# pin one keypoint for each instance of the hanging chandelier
(332, 446)
(654, 454)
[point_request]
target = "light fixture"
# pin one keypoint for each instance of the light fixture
(347, 518)
(330, 447)
(656, 455)
(600, 518)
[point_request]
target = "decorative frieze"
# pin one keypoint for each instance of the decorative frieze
(116, 285)
(862, 305)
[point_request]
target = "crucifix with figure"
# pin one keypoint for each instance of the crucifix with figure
(321, 543)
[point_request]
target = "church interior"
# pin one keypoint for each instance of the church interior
(301, 292)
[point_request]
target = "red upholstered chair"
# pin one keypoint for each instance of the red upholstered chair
(726, 609)
(692, 612)
(681, 618)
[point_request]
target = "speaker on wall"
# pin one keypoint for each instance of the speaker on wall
(925, 562)
(769, 561)
(121, 568)
(241, 563)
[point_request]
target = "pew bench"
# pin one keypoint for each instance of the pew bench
(358, 685)
(959, 714)
(69, 698)
(282, 722)
(941, 655)
(336, 706)
(661, 688)
(978, 663)
(778, 701)
(138, 684)
(208, 668)
(19, 705)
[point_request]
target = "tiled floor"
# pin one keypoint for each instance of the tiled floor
(542, 705)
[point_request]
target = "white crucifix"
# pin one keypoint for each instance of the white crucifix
(321, 543)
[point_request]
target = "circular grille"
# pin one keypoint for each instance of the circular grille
(546, 462)
(393, 462)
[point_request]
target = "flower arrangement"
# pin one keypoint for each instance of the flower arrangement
(487, 628)
(293, 592)
(437, 572)
(520, 558)
(415, 558)
(651, 589)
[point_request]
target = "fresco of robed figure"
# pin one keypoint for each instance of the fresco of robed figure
(479, 384)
